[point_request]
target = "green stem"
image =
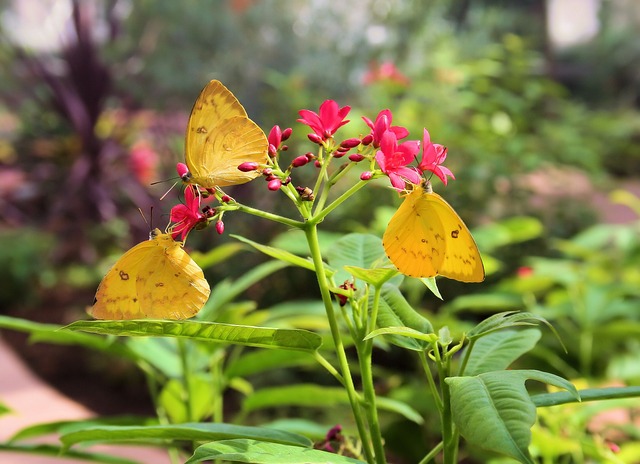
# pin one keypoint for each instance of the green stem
(432, 383)
(432, 454)
(329, 367)
(364, 357)
(311, 233)
(269, 216)
(448, 435)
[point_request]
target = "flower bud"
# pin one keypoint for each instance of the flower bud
(310, 155)
(299, 161)
(225, 199)
(350, 143)
(366, 175)
(367, 139)
(272, 150)
(248, 166)
(274, 185)
(183, 171)
(286, 133)
(315, 138)
(275, 136)
(340, 152)
(286, 181)
(267, 171)
(208, 211)
(356, 157)
(220, 227)
(317, 163)
(306, 194)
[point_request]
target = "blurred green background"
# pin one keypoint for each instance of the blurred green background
(536, 100)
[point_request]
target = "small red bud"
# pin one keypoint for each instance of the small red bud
(286, 181)
(310, 155)
(225, 199)
(267, 171)
(299, 161)
(340, 152)
(182, 169)
(367, 139)
(284, 147)
(208, 211)
(317, 163)
(315, 138)
(350, 143)
(272, 150)
(270, 177)
(356, 157)
(274, 185)
(366, 175)
(248, 166)
(220, 227)
(286, 133)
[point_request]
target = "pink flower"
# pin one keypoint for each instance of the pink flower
(186, 216)
(381, 125)
(386, 71)
(393, 160)
(433, 155)
(325, 124)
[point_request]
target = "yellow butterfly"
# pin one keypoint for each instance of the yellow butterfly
(426, 237)
(154, 279)
(219, 138)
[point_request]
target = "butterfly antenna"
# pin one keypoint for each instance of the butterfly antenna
(167, 192)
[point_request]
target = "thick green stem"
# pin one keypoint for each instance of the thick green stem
(337, 202)
(311, 233)
(270, 216)
(448, 435)
(364, 356)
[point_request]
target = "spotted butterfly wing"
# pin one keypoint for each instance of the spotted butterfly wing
(426, 237)
(155, 279)
(219, 137)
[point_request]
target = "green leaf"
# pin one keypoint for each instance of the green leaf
(52, 333)
(430, 283)
(257, 452)
(282, 255)
(187, 431)
(216, 255)
(57, 452)
(395, 311)
(4, 409)
(505, 320)
(201, 397)
(49, 428)
(589, 394)
(255, 362)
(494, 411)
(311, 395)
(497, 350)
(375, 277)
(404, 332)
(262, 337)
(506, 232)
(360, 250)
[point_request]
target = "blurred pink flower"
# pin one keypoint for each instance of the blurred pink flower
(386, 71)
(327, 122)
(433, 155)
(143, 162)
(393, 160)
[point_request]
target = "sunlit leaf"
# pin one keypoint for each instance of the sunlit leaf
(258, 452)
(293, 339)
(494, 411)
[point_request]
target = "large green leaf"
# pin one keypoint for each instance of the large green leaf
(497, 350)
(187, 431)
(263, 337)
(49, 428)
(395, 311)
(494, 411)
(257, 452)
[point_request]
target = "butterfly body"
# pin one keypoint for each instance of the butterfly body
(219, 137)
(154, 279)
(426, 237)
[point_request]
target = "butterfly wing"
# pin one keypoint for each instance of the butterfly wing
(462, 260)
(155, 279)
(414, 247)
(220, 137)
(426, 237)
